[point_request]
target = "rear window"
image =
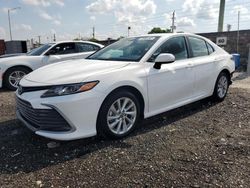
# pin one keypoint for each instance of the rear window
(209, 48)
(198, 46)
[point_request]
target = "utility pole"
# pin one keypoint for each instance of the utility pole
(221, 15)
(238, 32)
(9, 10)
(128, 30)
(39, 39)
(93, 32)
(173, 27)
(54, 37)
(9, 24)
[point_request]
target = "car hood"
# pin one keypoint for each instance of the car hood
(69, 72)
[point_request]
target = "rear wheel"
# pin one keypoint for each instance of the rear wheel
(13, 76)
(118, 115)
(221, 87)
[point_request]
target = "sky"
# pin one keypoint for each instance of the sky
(70, 19)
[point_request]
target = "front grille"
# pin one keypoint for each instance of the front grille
(42, 119)
(22, 89)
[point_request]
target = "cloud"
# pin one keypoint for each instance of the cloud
(2, 33)
(124, 10)
(131, 13)
(185, 22)
(57, 22)
(241, 8)
(208, 12)
(44, 3)
(101, 6)
(55, 19)
(5, 10)
(93, 18)
(244, 12)
(201, 8)
(23, 27)
(45, 16)
(59, 2)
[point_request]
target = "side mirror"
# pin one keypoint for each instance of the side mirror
(163, 58)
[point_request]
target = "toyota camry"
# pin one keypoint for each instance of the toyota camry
(110, 91)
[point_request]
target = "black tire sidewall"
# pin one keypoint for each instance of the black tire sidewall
(102, 126)
(215, 94)
(9, 72)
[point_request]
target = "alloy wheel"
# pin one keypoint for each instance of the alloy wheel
(121, 115)
(222, 86)
(15, 78)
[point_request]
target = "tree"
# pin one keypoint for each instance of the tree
(93, 40)
(159, 30)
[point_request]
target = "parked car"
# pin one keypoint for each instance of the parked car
(12, 55)
(12, 69)
(112, 89)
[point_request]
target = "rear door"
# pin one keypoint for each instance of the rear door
(203, 60)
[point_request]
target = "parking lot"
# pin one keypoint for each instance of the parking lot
(198, 145)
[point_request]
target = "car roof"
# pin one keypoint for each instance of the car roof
(78, 41)
(167, 35)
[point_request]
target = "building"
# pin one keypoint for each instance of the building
(228, 41)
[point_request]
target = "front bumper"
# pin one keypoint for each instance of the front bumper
(80, 111)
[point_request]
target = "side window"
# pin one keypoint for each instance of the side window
(84, 47)
(175, 46)
(210, 48)
(63, 48)
(198, 46)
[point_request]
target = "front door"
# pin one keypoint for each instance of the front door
(173, 84)
(61, 52)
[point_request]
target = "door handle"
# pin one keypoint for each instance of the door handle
(218, 59)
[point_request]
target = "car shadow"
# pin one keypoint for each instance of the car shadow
(23, 151)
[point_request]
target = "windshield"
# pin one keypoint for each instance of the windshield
(128, 49)
(38, 51)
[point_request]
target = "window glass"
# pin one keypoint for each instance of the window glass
(84, 47)
(127, 49)
(198, 46)
(38, 51)
(175, 46)
(64, 48)
(210, 48)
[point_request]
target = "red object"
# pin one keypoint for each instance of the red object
(2, 47)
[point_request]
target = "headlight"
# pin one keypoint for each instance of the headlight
(68, 89)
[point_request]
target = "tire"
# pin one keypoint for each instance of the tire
(221, 87)
(109, 115)
(17, 72)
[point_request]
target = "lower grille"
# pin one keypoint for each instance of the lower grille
(42, 119)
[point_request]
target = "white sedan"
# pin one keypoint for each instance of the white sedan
(12, 69)
(134, 78)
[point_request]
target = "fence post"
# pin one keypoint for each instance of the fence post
(248, 61)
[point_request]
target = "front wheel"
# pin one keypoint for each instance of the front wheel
(118, 115)
(221, 87)
(13, 76)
